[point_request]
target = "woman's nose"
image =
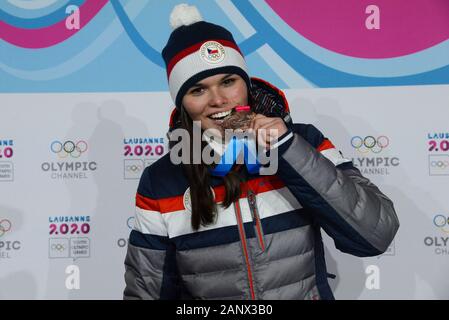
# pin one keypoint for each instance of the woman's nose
(216, 98)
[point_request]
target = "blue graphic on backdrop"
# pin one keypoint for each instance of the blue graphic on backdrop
(118, 48)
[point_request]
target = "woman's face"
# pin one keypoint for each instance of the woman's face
(213, 98)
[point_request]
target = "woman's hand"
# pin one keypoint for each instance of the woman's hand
(267, 129)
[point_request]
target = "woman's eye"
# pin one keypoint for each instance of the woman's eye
(228, 82)
(197, 91)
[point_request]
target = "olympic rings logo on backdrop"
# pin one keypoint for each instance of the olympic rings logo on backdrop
(439, 164)
(130, 222)
(58, 247)
(441, 222)
(133, 168)
(370, 143)
(64, 149)
(5, 226)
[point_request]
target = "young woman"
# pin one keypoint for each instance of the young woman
(244, 235)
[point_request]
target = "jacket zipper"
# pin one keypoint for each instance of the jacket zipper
(238, 214)
(256, 218)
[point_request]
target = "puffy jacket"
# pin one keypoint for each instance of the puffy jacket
(268, 244)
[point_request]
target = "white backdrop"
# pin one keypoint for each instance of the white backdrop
(53, 215)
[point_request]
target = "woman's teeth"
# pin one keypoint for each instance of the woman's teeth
(220, 115)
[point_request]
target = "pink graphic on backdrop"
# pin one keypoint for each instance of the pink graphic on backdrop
(51, 35)
(339, 25)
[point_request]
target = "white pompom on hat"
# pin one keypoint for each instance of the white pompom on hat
(184, 15)
(198, 49)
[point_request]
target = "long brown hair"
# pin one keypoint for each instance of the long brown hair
(204, 208)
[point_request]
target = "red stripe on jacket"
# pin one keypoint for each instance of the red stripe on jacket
(257, 185)
(325, 145)
(176, 203)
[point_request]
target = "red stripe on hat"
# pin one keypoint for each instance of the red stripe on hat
(172, 117)
(184, 53)
(325, 145)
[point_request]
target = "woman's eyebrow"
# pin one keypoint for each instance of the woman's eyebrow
(196, 86)
(226, 76)
(200, 84)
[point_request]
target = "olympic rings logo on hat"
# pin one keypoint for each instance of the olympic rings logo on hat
(5, 226)
(212, 52)
(58, 247)
(440, 164)
(369, 143)
(63, 150)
